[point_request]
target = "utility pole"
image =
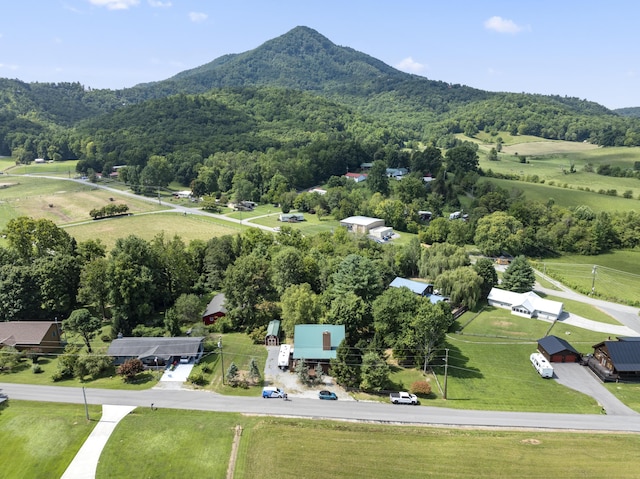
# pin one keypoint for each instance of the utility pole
(221, 357)
(593, 281)
(446, 367)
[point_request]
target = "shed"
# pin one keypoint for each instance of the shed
(160, 351)
(557, 350)
(273, 333)
(215, 309)
(291, 217)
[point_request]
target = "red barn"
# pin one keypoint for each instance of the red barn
(215, 309)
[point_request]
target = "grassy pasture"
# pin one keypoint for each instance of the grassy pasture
(147, 226)
(617, 276)
(40, 439)
(198, 444)
(569, 197)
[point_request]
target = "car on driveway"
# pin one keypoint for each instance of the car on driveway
(327, 395)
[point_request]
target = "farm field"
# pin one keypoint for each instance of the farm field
(200, 446)
(40, 439)
(147, 226)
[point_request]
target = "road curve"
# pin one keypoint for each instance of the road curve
(314, 408)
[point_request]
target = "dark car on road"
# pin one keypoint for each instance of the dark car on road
(327, 395)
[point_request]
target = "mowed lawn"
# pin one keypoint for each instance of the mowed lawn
(41, 439)
(174, 443)
(617, 274)
(147, 226)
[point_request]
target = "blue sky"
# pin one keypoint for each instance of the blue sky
(586, 49)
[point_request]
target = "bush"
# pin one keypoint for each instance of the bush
(106, 338)
(258, 334)
(197, 378)
(36, 369)
(130, 368)
(421, 388)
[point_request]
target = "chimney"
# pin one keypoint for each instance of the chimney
(326, 341)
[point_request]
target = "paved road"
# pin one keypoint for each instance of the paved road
(315, 408)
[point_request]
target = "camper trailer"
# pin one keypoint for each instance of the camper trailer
(284, 356)
(541, 364)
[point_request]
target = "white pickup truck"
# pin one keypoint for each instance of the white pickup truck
(403, 398)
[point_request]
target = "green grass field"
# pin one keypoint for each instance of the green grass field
(41, 439)
(617, 274)
(198, 444)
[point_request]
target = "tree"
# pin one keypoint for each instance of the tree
(37, 237)
(442, 257)
(497, 233)
(426, 331)
(232, 374)
(254, 371)
(158, 173)
(374, 372)
(82, 322)
(94, 285)
(351, 311)
(462, 159)
(288, 268)
(463, 285)
(519, 276)
(302, 371)
(391, 311)
(493, 154)
(59, 279)
(188, 308)
(345, 367)
(300, 305)
(130, 369)
(359, 275)
(377, 179)
(485, 269)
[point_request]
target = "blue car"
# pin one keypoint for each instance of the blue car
(327, 395)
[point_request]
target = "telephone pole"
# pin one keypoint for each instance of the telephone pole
(221, 357)
(446, 367)
(593, 281)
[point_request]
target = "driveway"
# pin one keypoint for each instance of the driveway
(580, 378)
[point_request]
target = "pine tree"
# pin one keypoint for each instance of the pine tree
(519, 276)
(232, 374)
(254, 372)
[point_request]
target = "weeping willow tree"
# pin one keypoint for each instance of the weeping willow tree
(462, 285)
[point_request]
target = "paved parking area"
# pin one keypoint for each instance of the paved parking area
(580, 378)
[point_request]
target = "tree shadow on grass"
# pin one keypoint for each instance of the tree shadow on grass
(458, 368)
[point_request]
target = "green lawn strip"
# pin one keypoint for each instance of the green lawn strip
(628, 393)
(331, 449)
(170, 443)
(617, 276)
(498, 376)
(585, 310)
(239, 349)
(188, 227)
(41, 439)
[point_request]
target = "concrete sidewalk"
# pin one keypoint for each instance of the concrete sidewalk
(85, 464)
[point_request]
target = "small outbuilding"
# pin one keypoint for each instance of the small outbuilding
(273, 333)
(291, 217)
(215, 310)
(557, 350)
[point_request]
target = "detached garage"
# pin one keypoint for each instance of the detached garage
(557, 350)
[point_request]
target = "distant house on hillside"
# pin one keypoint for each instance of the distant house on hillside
(25, 335)
(527, 305)
(291, 217)
(357, 177)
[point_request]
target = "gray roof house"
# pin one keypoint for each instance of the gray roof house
(165, 350)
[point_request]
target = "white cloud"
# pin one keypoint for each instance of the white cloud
(159, 4)
(4, 66)
(197, 17)
(115, 4)
(410, 65)
(503, 25)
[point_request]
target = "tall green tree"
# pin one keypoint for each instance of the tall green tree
(374, 372)
(377, 179)
(300, 305)
(345, 367)
(487, 271)
(82, 322)
(359, 275)
(497, 233)
(351, 311)
(94, 285)
(462, 285)
(519, 276)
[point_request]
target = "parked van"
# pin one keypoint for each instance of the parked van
(271, 392)
(541, 364)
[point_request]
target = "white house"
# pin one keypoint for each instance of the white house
(527, 305)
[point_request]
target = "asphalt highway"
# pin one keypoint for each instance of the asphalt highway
(315, 408)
